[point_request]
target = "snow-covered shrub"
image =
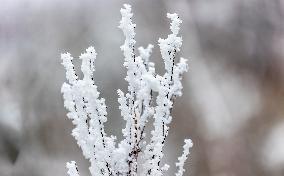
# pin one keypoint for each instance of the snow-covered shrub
(88, 111)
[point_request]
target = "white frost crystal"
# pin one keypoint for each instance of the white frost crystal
(88, 111)
(72, 169)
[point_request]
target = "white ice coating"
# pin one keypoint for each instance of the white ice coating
(88, 111)
(72, 168)
(181, 160)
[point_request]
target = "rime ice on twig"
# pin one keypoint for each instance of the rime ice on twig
(72, 169)
(88, 112)
(181, 160)
(170, 87)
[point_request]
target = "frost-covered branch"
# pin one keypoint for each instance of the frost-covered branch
(170, 87)
(88, 111)
(181, 160)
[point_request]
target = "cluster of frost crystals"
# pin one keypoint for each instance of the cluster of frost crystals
(88, 111)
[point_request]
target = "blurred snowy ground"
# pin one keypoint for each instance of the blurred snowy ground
(233, 102)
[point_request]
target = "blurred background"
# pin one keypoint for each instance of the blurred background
(233, 102)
